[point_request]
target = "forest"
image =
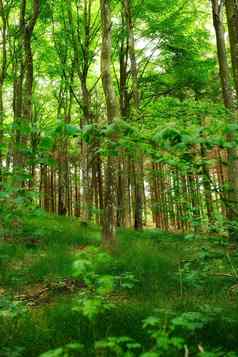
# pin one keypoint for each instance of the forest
(118, 178)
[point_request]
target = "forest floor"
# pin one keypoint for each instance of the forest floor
(156, 274)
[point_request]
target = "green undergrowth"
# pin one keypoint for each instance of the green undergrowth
(58, 286)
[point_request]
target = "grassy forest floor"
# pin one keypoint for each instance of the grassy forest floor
(58, 287)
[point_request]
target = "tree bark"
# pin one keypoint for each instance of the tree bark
(232, 197)
(23, 84)
(138, 166)
(112, 114)
(232, 19)
(3, 69)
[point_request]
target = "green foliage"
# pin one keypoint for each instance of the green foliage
(15, 205)
(117, 290)
(174, 337)
(60, 291)
(120, 346)
(71, 349)
(11, 310)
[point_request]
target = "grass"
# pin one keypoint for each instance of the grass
(170, 273)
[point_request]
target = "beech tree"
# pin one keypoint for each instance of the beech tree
(112, 115)
(232, 198)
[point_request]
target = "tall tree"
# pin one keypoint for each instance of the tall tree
(137, 164)
(83, 27)
(232, 198)
(23, 81)
(3, 17)
(232, 20)
(112, 114)
(217, 10)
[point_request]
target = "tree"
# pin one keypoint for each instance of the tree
(137, 164)
(3, 17)
(112, 115)
(232, 198)
(23, 82)
(232, 20)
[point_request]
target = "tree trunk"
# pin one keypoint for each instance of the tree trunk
(138, 167)
(112, 114)
(2, 79)
(23, 83)
(232, 19)
(232, 197)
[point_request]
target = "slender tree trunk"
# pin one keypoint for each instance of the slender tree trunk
(51, 190)
(207, 185)
(138, 167)
(2, 79)
(100, 188)
(221, 53)
(76, 191)
(122, 173)
(24, 82)
(82, 43)
(112, 114)
(232, 19)
(231, 9)
(18, 69)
